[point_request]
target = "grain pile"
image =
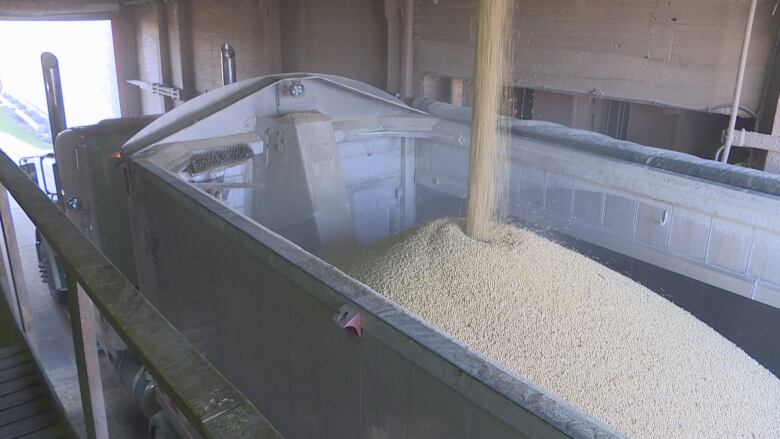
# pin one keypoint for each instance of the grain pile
(578, 329)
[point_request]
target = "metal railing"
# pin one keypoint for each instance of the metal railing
(209, 402)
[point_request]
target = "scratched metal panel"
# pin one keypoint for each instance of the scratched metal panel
(690, 233)
(588, 202)
(730, 245)
(442, 159)
(653, 221)
(531, 185)
(384, 380)
(559, 195)
(435, 409)
(768, 294)
(305, 380)
(619, 212)
(481, 425)
(765, 260)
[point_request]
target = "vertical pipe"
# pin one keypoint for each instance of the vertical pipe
(228, 56)
(53, 87)
(407, 50)
(738, 85)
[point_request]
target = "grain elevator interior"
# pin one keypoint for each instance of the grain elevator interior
(390, 219)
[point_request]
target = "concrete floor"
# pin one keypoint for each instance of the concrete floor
(55, 348)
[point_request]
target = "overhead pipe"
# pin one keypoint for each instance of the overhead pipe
(407, 50)
(228, 56)
(738, 86)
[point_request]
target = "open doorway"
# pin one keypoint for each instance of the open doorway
(85, 52)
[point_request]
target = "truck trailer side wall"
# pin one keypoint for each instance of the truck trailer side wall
(261, 310)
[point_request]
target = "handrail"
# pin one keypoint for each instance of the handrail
(211, 404)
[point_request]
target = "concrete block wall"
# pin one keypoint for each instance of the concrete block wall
(682, 53)
(342, 37)
(195, 30)
(240, 23)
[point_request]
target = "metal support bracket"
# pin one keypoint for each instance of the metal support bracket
(175, 93)
(752, 139)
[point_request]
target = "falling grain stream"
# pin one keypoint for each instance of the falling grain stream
(491, 66)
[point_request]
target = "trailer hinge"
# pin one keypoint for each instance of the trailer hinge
(175, 93)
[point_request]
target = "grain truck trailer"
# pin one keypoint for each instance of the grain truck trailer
(238, 196)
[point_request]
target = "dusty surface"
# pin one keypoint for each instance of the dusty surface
(587, 334)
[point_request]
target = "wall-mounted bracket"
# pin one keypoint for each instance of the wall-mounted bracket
(175, 93)
(751, 139)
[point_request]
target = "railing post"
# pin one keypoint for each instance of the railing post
(16, 279)
(87, 362)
